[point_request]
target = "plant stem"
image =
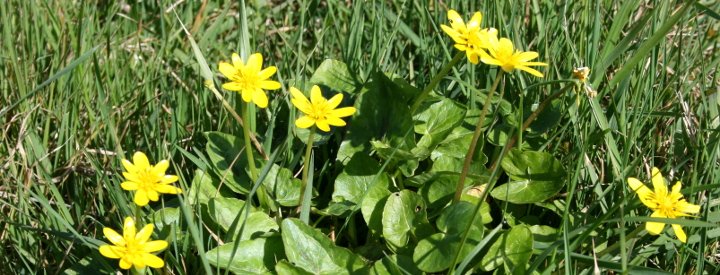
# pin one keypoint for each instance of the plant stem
(251, 158)
(248, 148)
(434, 82)
(476, 136)
(306, 164)
(533, 116)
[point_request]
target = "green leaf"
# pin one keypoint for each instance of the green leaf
(536, 176)
(358, 175)
(204, 187)
(166, 220)
(383, 116)
(256, 256)
(404, 219)
(283, 267)
(373, 205)
(437, 121)
(227, 157)
(286, 188)
(438, 189)
(455, 219)
(313, 251)
(230, 215)
(436, 252)
(547, 119)
(395, 264)
(512, 249)
(334, 74)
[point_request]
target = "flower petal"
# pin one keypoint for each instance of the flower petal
(255, 62)
(167, 179)
(316, 95)
(129, 229)
(129, 167)
(141, 197)
(270, 85)
(247, 95)
(260, 98)
(144, 234)
(343, 112)
(456, 22)
(505, 45)
(334, 101)
(153, 246)
(129, 185)
(655, 228)
(676, 189)
(323, 125)
(113, 236)
(643, 192)
(679, 232)
(267, 72)
(110, 252)
(304, 122)
(227, 70)
(335, 121)
(167, 189)
(152, 260)
(658, 182)
(475, 21)
(125, 263)
(529, 70)
(152, 195)
(140, 160)
(232, 86)
(161, 167)
(237, 61)
(526, 56)
(686, 207)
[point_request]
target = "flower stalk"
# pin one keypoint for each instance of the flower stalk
(476, 136)
(306, 166)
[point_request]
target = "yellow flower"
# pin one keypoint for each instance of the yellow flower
(468, 38)
(318, 110)
(250, 79)
(131, 248)
(581, 73)
(664, 205)
(148, 180)
(502, 53)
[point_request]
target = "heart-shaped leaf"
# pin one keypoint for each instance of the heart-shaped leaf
(256, 256)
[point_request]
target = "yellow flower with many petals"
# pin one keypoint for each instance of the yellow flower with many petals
(131, 248)
(468, 38)
(148, 180)
(318, 110)
(664, 204)
(250, 79)
(502, 53)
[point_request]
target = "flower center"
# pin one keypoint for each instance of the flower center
(246, 79)
(667, 206)
(148, 178)
(319, 111)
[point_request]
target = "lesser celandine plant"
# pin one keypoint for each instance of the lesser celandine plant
(133, 248)
(320, 112)
(251, 80)
(664, 204)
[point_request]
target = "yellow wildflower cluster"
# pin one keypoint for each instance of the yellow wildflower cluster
(484, 45)
(149, 181)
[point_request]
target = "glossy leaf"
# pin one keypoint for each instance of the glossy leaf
(313, 251)
(256, 256)
(404, 216)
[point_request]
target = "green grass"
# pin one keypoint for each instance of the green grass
(85, 84)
